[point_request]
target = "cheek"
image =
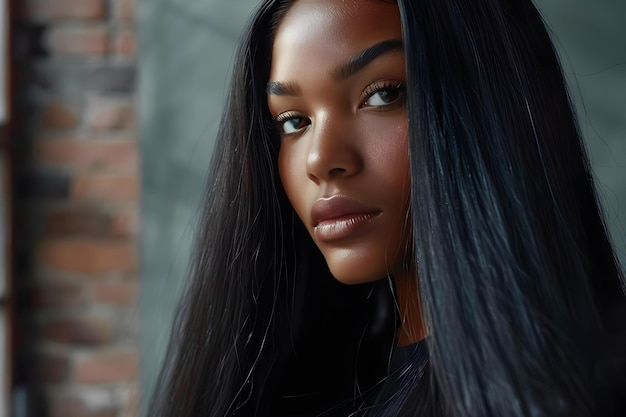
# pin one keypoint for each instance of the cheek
(290, 176)
(285, 171)
(389, 152)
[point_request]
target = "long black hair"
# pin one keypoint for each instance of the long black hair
(518, 281)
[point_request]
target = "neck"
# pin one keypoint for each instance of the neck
(412, 328)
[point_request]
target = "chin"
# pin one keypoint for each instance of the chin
(352, 267)
(355, 274)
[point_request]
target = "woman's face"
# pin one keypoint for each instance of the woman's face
(336, 91)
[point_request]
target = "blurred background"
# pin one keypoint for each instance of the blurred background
(108, 112)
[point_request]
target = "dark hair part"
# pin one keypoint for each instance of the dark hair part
(518, 279)
(517, 274)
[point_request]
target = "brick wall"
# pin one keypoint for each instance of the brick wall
(76, 207)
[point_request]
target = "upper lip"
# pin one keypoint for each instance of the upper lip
(337, 206)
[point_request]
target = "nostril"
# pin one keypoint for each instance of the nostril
(336, 171)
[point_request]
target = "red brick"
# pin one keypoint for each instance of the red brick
(77, 222)
(125, 224)
(101, 187)
(57, 296)
(102, 368)
(132, 404)
(87, 255)
(126, 43)
(80, 332)
(78, 40)
(51, 369)
(127, 9)
(92, 222)
(43, 10)
(73, 407)
(88, 154)
(117, 116)
(118, 294)
(59, 116)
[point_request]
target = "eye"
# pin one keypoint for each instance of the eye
(382, 95)
(289, 123)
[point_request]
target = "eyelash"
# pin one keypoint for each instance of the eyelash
(368, 93)
(378, 86)
(284, 117)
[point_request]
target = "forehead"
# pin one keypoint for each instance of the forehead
(314, 33)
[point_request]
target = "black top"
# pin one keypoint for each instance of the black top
(406, 368)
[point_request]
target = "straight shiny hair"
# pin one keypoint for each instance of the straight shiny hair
(520, 288)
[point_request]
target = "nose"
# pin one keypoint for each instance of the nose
(334, 150)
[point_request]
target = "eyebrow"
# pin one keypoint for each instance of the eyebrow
(278, 88)
(363, 58)
(344, 71)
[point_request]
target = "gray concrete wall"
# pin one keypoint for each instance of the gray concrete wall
(186, 51)
(591, 38)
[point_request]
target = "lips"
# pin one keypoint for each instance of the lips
(338, 217)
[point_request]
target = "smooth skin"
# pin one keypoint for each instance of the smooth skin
(336, 91)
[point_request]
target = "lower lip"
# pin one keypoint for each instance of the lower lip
(343, 227)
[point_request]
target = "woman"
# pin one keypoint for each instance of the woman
(425, 153)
